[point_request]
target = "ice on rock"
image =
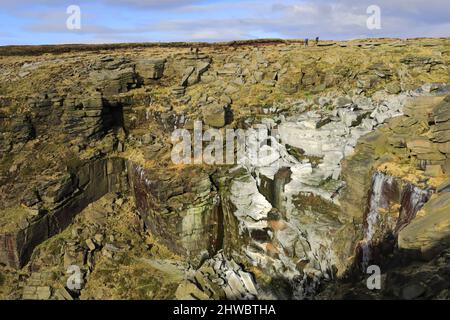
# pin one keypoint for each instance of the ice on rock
(248, 201)
(323, 140)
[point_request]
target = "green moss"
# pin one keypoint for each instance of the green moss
(10, 218)
(73, 163)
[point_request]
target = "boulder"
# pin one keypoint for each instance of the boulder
(192, 74)
(441, 136)
(367, 82)
(186, 74)
(422, 62)
(214, 115)
(288, 86)
(420, 108)
(343, 102)
(150, 69)
(424, 149)
(313, 79)
(114, 81)
(420, 145)
(412, 291)
(429, 233)
(393, 88)
(441, 112)
(434, 170)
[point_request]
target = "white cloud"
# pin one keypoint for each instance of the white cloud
(184, 20)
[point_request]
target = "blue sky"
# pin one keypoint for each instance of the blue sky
(107, 21)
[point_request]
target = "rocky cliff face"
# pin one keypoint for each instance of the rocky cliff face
(62, 200)
(355, 170)
(183, 210)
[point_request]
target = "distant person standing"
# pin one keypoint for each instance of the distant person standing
(317, 41)
(306, 42)
(194, 51)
